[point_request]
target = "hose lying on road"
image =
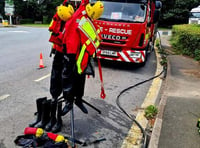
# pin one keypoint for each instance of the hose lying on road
(133, 117)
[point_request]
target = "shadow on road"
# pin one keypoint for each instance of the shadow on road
(118, 65)
(111, 124)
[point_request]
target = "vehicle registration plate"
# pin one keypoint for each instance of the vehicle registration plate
(109, 52)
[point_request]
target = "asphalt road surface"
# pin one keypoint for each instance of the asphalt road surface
(21, 83)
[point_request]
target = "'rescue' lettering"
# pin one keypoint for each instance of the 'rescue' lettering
(120, 31)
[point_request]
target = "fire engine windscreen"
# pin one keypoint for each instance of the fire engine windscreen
(123, 11)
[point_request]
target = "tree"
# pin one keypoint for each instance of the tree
(176, 11)
(49, 8)
(2, 5)
(36, 10)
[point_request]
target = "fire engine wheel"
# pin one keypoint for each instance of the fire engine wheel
(150, 47)
(143, 63)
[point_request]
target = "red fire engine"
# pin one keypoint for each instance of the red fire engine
(128, 29)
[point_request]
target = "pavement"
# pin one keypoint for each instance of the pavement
(179, 104)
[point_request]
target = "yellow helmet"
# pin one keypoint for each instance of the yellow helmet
(94, 11)
(65, 12)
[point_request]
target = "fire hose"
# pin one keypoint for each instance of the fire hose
(126, 89)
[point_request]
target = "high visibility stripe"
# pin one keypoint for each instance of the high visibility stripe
(80, 57)
(51, 23)
(89, 28)
(82, 21)
(96, 32)
(88, 42)
(147, 36)
(143, 55)
(97, 43)
(88, 37)
(123, 56)
(88, 20)
(83, 12)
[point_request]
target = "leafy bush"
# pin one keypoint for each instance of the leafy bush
(186, 39)
(150, 112)
(45, 20)
(26, 21)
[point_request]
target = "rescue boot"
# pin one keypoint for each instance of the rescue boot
(79, 103)
(57, 127)
(68, 106)
(52, 121)
(46, 107)
(39, 111)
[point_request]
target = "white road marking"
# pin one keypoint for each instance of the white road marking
(19, 31)
(44, 77)
(4, 97)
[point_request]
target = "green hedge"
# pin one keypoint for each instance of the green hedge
(26, 21)
(186, 40)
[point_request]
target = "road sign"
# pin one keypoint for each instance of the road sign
(9, 8)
